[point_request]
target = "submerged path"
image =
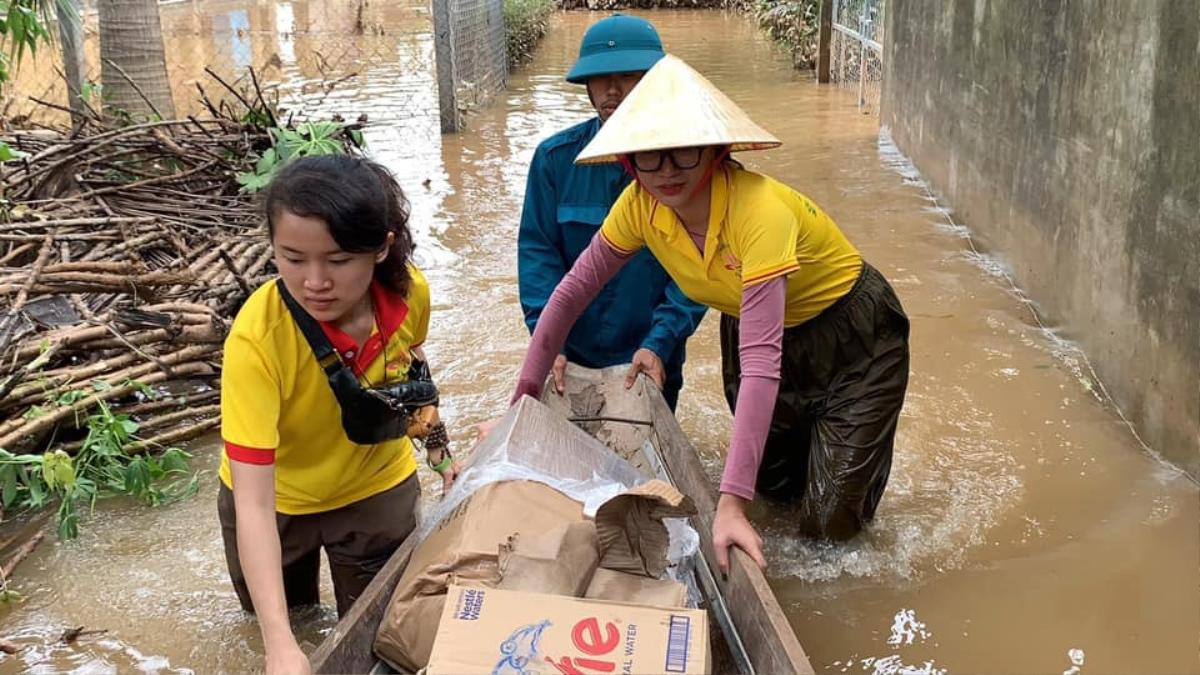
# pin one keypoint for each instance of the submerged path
(1022, 519)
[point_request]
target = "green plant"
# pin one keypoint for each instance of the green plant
(22, 27)
(101, 468)
(120, 116)
(92, 91)
(308, 139)
(8, 153)
(794, 24)
(525, 23)
(70, 397)
(258, 117)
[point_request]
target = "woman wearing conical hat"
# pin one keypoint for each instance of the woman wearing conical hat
(814, 342)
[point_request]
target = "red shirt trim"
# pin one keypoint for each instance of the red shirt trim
(624, 253)
(770, 274)
(241, 453)
(390, 311)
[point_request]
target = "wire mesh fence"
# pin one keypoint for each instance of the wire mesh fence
(479, 50)
(856, 49)
(321, 57)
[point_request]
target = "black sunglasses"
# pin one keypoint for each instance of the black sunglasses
(683, 158)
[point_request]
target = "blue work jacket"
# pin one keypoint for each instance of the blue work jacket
(564, 207)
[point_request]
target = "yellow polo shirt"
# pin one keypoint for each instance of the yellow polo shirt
(758, 229)
(277, 406)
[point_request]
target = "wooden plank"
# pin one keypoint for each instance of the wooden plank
(349, 646)
(765, 631)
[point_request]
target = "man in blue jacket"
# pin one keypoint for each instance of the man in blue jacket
(641, 317)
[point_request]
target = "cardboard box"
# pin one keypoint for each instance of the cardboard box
(485, 630)
(559, 562)
(464, 549)
(633, 537)
(523, 536)
(624, 587)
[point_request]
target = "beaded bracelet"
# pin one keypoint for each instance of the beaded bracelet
(438, 439)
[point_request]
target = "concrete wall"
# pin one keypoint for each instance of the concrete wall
(1067, 135)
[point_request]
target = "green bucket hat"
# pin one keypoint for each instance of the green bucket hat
(616, 44)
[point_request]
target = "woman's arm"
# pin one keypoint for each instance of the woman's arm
(598, 263)
(261, 561)
(455, 467)
(760, 352)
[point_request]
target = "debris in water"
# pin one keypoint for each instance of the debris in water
(9, 647)
(28, 539)
(70, 635)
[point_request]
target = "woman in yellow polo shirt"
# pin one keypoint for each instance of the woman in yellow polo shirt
(814, 341)
(307, 465)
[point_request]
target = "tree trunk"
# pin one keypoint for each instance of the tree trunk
(133, 64)
(70, 33)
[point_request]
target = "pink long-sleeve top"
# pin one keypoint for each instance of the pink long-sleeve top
(760, 348)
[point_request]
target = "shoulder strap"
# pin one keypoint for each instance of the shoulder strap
(322, 348)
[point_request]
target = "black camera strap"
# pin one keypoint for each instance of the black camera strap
(327, 356)
(369, 415)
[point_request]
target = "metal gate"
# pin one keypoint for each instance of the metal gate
(856, 49)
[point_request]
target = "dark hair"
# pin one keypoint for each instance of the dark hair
(359, 201)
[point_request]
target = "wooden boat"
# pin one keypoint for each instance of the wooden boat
(750, 632)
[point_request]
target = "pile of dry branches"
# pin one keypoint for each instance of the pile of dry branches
(124, 253)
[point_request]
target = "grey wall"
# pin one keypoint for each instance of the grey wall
(1067, 135)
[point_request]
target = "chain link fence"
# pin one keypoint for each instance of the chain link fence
(856, 49)
(322, 57)
(480, 63)
(471, 62)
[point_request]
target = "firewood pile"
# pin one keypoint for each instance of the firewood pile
(125, 252)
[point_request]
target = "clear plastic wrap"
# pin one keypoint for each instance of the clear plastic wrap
(534, 443)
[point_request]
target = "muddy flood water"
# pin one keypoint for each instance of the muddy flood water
(1024, 529)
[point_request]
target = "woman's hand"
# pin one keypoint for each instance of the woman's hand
(731, 528)
(646, 361)
(287, 659)
(449, 475)
(258, 550)
(559, 371)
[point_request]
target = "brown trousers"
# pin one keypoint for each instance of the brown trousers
(358, 539)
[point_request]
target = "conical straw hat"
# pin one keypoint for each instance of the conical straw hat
(674, 107)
